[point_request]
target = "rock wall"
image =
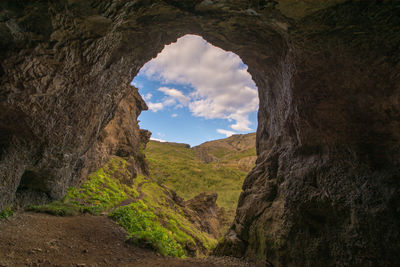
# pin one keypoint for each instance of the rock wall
(121, 137)
(325, 190)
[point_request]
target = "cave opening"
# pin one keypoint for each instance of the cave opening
(197, 92)
(32, 189)
(203, 116)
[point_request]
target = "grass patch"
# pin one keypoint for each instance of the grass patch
(99, 193)
(102, 190)
(7, 212)
(172, 217)
(144, 229)
(57, 208)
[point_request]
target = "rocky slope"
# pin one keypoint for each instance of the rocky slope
(325, 190)
(237, 151)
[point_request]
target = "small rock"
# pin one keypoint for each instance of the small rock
(252, 12)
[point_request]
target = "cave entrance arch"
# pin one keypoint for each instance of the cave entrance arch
(265, 52)
(193, 78)
(90, 57)
(327, 138)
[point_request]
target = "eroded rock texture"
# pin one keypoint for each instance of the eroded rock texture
(205, 214)
(325, 190)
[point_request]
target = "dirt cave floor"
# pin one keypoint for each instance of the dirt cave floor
(33, 239)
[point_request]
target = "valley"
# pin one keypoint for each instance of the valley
(219, 166)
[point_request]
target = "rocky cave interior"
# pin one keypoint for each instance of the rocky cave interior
(326, 187)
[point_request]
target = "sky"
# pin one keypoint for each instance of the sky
(196, 92)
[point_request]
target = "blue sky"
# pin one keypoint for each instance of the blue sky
(196, 92)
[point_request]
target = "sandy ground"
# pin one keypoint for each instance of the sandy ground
(33, 239)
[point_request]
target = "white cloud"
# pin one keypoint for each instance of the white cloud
(155, 106)
(225, 132)
(157, 139)
(175, 94)
(169, 102)
(174, 115)
(222, 86)
(147, 96)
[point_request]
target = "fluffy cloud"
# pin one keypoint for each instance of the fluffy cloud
(172, 97)
(223, 88)
(155, 106)
(175, 94)
(174, 115)
(225, 132)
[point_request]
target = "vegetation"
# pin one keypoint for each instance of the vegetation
(7, 212)
(99, 193)
(182, 169)
(145, 209)
(58, 208)
(139, 221)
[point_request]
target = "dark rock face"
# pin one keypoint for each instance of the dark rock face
(205, 214)
(121, 137)
(325, 190)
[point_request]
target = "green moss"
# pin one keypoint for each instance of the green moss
(173, 218)
(57, 208)
(7, 212)
(99, 193)
(184, 231)
(102, 191)
(143, 228)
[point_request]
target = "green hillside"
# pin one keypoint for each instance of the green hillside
(150, 214)
(219, 166)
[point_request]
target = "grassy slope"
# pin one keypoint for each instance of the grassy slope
(182, 169)
(144, 209)
(237, 151)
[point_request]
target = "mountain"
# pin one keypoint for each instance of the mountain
(237, 151)
(219, 166)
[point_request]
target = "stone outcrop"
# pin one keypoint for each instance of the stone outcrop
(325, 190)
(204, 213)
(121, 137)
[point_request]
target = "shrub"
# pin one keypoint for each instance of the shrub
(7, 212)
